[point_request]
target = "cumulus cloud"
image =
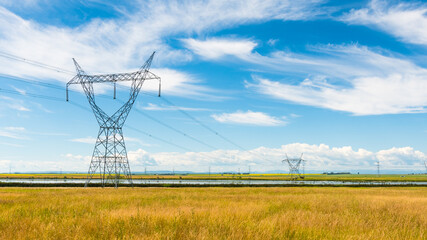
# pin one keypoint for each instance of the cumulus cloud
(249, 118)
(140, 158)
(319, 158)
(406, 21)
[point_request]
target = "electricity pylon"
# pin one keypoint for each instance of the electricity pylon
(378, 167)
(110, 155)
(294, 166)
(425, 165)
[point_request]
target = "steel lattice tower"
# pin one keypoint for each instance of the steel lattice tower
(294, 166)
(110, 155)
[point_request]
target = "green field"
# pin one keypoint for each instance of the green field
(213, 213)
(307, 177)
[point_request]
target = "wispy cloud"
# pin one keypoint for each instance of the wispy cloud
(350, 78)
(249, 118)
(13, 103)
(404, 20)
(14, 133)
(117, 45)
(216, 48)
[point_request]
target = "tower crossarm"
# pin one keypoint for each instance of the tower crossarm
(117, 77)
(137, 79)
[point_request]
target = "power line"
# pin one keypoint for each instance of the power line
(202, 124)
(105, 96)
(173, 129)
(31, 95)
(87, 109)
(35, 63)
(39, 64)
(213, 131)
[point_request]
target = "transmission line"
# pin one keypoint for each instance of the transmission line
(172, 128)
(87, 109)
(105, 96)
(39, 64)
(35, 63)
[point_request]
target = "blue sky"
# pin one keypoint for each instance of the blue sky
(344, 83)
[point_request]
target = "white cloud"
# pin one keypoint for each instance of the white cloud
(348, 78)
(249, 118)
(88, 140)
(216, 48)
(13, 103)
(122, 44)
(319, 158)
(140, 158)
(399, 156)
(272, 42)
(367, 96)
(406, 21)
(18, 133)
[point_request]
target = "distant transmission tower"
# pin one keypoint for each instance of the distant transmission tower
(425, 165)
(294, 166)
(378, 167)
(110, 155)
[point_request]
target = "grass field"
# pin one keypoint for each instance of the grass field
(213, 213)
(307, 177)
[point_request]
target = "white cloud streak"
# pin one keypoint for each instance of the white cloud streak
(249, 118)
(122, 44)
(349, 78)
(217, 48)
(406, 21)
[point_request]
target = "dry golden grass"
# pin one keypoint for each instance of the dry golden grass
(213, 213)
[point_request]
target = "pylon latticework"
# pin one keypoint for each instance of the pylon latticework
(110, 156)
(294, 167)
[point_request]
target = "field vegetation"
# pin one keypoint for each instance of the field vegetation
(213, 213)
(307, 177)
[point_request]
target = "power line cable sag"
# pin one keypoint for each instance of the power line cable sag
(35, 63)
(39, 64)
(86, 109)
(105, 96)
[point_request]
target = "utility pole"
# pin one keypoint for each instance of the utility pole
(109, 157)
(209, 171)
(249, 169)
